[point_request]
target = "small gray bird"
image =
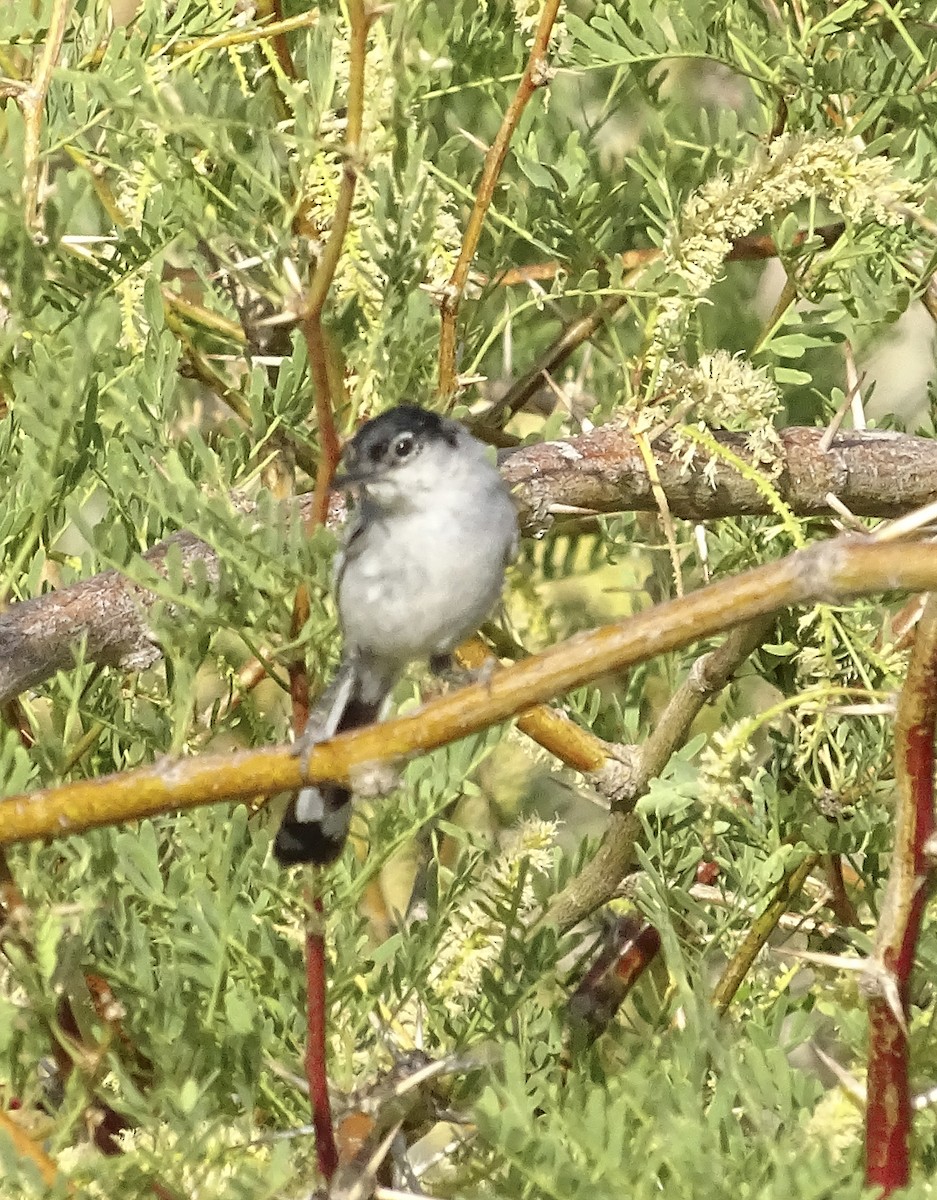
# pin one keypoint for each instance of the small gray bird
(421, 567)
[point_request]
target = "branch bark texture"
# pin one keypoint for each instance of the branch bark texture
(873, 474)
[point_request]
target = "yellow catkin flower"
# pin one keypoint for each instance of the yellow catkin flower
(476, 935)
(724, 388)
(726, 391)
(857, 185)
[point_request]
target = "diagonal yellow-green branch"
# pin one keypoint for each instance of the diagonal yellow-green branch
(836, 571)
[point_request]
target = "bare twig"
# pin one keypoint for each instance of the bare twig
(792, 921)
(854, 387)
(360, 20)
(573, 336)
(663, 508)
(596, 882)
(315, 1058)
(756, 246)
(852, 393)
(839, 900)
(276, 31)
(536, 75)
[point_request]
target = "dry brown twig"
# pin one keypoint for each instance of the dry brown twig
(360, 21)
(536, 75)
(752, 247)
(313, 304)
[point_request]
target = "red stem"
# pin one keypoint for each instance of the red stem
(889, 1109)
(316, 1075)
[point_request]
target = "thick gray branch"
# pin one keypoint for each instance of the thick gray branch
(873, 474)
(41, 636)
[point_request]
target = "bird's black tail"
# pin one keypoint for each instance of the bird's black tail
(318, 838)
(315, 825)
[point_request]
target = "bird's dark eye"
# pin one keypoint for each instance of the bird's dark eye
(403, 445)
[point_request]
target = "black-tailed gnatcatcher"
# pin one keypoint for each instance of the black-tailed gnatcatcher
(421, 567)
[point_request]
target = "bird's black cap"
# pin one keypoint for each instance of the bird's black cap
(368, 449)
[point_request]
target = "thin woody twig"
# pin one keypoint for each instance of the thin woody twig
(753, 247)
(296, 667)
(904, 526)
(839, 900)
(316, 1021)
(582, 329)
(708, 676)
(313, 305)
(854, 387)
(360, 20)
(536, 75)
(32, 100)
(663, 508)
(839, 416)
(762, 928)
(793, 922)
(834, 571)
(276, 31)
(573, 336)
(596, 882)
(198, 366)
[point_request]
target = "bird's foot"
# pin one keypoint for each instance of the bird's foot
(446, 667)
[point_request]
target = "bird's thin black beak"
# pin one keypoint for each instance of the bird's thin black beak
(343, 480)
(355, 477)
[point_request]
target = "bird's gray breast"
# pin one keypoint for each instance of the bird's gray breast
(414, 584)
